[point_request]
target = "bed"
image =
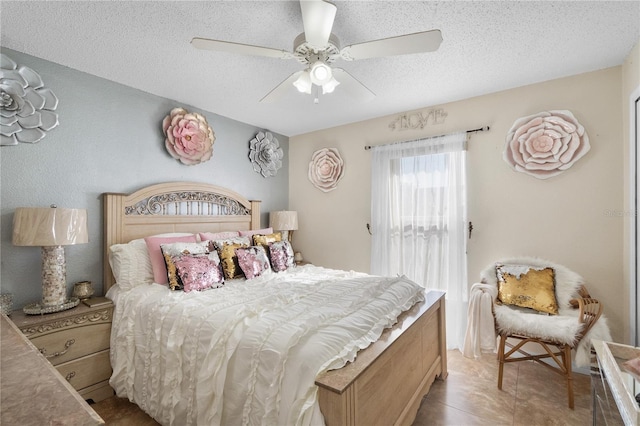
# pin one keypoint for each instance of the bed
(379, 377)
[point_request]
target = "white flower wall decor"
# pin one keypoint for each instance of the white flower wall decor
(546, 144)
(26, 106)
(265, 154)
(326, 169)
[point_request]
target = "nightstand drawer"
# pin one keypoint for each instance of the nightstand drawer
(86, 371)
(74, 343)
(97, 392)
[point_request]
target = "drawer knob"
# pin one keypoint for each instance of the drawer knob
(67, 345)
(70, 376)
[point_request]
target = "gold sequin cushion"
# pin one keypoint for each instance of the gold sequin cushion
(527, 287)
(227, 253)
(264, 240)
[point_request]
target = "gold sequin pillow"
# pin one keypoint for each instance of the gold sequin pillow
(527, 287)
(264, 240)
(228, 258)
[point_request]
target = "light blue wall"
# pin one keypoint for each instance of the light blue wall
(109, 140)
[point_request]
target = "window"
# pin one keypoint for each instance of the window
(419, 219)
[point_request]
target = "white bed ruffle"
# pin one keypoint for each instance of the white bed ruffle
(249, 352)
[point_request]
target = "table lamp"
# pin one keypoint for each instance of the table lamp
(284, 221)
(50, 228)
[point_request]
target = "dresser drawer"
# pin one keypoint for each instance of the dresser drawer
(87, 370)
(73, 343)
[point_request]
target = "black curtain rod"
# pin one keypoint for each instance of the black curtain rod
(480, 129)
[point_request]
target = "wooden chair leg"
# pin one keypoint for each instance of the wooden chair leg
(566, 351)
(503, 340)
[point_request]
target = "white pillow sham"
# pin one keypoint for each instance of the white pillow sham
(130, 262)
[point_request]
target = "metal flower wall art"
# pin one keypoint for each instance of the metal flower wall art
(326, 169)
(545, 144)
(265, 154)
(26, 106)
(189, 138)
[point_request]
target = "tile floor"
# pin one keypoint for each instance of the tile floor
(531, 395)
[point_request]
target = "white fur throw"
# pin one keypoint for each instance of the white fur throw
(561, 328)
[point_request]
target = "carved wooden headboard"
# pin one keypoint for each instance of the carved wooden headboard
(173, 207)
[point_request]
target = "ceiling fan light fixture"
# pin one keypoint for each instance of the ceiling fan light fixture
(330, 86)
(303, 83)
(317, 48)
(320, 73)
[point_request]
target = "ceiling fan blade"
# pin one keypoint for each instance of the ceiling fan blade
(351, 85)
(317, 18)
(245, 49)
(282, 88)
(426, 41)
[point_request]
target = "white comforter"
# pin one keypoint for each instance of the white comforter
(249, 352)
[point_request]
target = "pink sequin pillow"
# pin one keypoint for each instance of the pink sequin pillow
(253, 261)
(156, 257)
(199, 271)
(281, 256)
(172, 252)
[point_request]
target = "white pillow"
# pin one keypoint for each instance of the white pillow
(130, 264)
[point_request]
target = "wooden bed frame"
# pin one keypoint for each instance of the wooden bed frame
(386, 382)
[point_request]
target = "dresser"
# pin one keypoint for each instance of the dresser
(32, 391)
(614, 390)
(77, 343)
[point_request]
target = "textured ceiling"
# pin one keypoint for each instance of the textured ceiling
(487, 47)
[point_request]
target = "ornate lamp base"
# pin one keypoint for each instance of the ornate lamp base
(40, 308)
(54, 287)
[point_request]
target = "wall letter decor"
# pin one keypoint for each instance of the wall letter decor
(265, 154)
(26, 106)
(418, 120)
(545, 144)
(326, 169)
(189, 138)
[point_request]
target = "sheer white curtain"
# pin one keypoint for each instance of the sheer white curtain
(418, 215)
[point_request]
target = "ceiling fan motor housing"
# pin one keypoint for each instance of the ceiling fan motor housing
(305, 54)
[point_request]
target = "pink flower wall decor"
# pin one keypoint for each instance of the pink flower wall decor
(189, 138)
(326, 169)
(545, 144)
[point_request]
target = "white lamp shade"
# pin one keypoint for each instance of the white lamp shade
(330, 86)
(49, 226)
(283, 220)
(303, 83)
(320, 73)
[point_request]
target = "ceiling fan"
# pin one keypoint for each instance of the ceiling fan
(318, 48)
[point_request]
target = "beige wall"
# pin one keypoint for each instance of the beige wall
(563, 219)
(630, 83)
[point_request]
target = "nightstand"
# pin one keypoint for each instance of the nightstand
(77, 343)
